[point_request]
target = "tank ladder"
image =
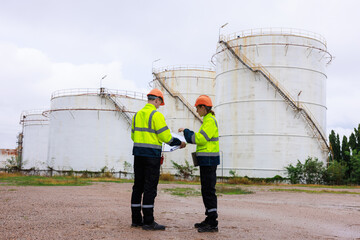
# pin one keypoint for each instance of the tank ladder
(105, 93)
(178, 95)
(301, 108)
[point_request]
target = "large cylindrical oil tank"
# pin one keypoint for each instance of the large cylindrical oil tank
(35, 139)
(187, 82)
(263, 134)
(88, 131)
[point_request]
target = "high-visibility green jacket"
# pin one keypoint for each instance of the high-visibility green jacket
(206, 140)
(149, 131)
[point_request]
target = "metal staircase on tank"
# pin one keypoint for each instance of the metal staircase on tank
(178, 95)
(302, 109)
(119, 106)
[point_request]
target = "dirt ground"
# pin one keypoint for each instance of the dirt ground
(102, 211)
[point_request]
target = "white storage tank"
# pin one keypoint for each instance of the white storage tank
(261, 133)
(88, 131)
(183, 84)
(35, 139)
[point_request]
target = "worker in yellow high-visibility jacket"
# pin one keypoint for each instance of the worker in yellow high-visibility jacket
(148, 131)
(208, 157)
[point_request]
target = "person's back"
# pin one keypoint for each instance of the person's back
(148, 131)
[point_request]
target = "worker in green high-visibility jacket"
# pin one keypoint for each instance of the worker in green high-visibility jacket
(148, 131)
(208, 157)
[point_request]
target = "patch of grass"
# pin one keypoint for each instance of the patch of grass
(221, 189)
(312, 191)
(239, 180)
(326, 186)
(6, 175)
(187, 192)
(115, 180)
(166, 177)
(183, 192)
(179, 182)
(21, 180)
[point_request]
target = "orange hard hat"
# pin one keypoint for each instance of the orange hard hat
(203, 100)
(156, 92)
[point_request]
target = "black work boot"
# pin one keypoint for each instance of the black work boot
(154, 226)
(134, 224)
(208, 228)
(201, 224)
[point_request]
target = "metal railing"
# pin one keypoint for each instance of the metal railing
(273, 31)
(24, 114)
(96, 91)
(178, 95)
(183, 67)
(33, 112)
(106, 93)
(304, 111)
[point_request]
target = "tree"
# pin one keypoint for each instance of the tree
(355, 162)
(345, 156)
(335, 145)
(357, 137)
(352, 142)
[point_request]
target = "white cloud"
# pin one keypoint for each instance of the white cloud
(28, 77)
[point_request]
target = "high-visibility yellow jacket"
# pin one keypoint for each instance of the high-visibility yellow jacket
(206, 140)
(149, 131)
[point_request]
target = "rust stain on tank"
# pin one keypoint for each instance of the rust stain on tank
(8, 152)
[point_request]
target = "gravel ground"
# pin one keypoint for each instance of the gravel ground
(102, 211)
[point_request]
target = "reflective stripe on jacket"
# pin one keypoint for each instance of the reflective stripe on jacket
(149, 131)
(206, 140)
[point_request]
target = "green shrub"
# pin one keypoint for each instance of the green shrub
(335, 173)
(295, 172)
(311, 172)
(13, 164)
(184, 171)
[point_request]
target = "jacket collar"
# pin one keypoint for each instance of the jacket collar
(150, 106)
(208, 116)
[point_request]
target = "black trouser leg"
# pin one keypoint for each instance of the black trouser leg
(151, 173)
(138, 189)
(208, 192)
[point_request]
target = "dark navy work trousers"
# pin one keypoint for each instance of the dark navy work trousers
(147, 172)
(208, 192)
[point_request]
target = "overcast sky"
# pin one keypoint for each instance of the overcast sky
(48, 45)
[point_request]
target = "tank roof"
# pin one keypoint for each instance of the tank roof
(274, 31)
